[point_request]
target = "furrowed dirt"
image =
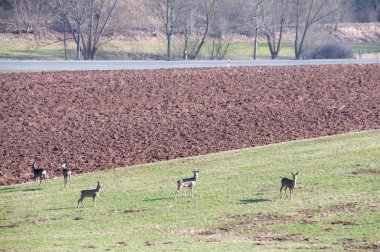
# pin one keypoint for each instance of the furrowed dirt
(97, 120)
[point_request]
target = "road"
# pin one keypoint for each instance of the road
(10, 66)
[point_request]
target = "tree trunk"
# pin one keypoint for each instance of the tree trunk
(78, 46)
(209, 13)
(168, 48)
(274, 44)
(64, 42)
(310, 19)
(255, 41)
(89, 54)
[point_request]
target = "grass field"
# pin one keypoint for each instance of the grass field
(118, 50)
(236, 205)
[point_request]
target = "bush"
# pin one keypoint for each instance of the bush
(333, 50)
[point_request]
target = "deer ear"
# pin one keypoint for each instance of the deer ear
(292, 173)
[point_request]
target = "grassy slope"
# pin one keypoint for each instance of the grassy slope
(236, 205)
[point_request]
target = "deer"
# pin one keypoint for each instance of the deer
(288, 183)
(188, 182)
(89, 193)
(66, 175)
(39, 173)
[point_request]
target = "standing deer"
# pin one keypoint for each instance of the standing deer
(288, 183)
(90, 193)
(66, 175)
(188, 182)
(39, 173)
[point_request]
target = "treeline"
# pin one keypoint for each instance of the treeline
(193, 22)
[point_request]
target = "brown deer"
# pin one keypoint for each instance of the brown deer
(90, 193)
(188, 182)
(66, 175)
(288, 183)
(39, 173)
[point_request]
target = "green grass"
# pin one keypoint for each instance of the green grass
(366, 48)
(236, 205)
(242, 51)
(245, 51)
(31, 50)
(118, 50)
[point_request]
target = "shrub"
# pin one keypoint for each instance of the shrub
(333, 50)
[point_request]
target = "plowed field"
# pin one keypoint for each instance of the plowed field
(96, 120)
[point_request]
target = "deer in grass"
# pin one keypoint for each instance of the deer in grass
(66, 175)
(188, 182)
(289, 183)
(39, 173)
(90, 193)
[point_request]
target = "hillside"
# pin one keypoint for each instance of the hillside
(236, 204)
(107, 119)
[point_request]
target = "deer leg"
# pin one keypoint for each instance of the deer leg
(291, 191)
(177, 192)
(94, 201)
(287, 196)
(67, 181)
(42, 178)
(282, 186)
(80, 200)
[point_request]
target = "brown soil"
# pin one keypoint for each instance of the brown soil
(344, 223)
(287, 238)
(347, 207)
(101, 120)
(129, 211)
(366, 171)
(350, 244)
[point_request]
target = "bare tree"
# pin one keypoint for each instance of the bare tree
(376, 8)
(98, 16)
(250, 19)
(256, 28)
(362, 11)
(220, 34)
(170, 13)
(207, 14)
(72, 14)
(28, 15)
(273, 23)
(220, 46)
(86, 21)
(309, 12)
